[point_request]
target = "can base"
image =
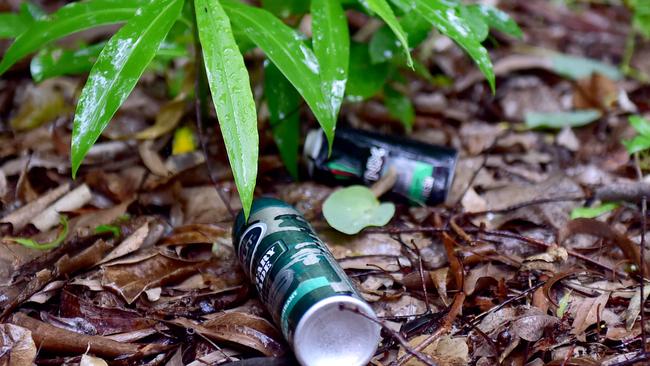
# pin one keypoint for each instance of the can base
(329, 335)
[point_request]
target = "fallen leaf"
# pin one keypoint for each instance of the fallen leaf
(88, 360)
(587, 312)
(71, 201)
(22, 216)
(574, 118)
(531, 327)
(18, 348)
(351, 209)
(167, 119)
(634, 308)
(488, 271)
(446, 351)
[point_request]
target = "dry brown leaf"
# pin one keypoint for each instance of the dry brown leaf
(531, 327)
(595, 92)
(490, 271)
(18, 348)
(168, 117)
(587, 312)
(88, 360)
(22, 216)
(445, 351)
(73, 200)
(132, 279)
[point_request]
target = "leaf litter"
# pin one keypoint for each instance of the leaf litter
(502, 273)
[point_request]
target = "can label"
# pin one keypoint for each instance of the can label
(289, 265)
(424, 172)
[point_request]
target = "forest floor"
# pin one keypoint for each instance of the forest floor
(143, 272)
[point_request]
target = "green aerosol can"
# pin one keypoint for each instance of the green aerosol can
(308, 294)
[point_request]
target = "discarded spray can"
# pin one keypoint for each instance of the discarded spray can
(303, 287)
(424, 172)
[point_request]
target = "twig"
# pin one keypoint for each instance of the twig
(420, 356)
(642, 254)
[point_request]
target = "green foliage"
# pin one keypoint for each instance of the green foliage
(33, 244)
(284, 114)
(117, 70)
(384, 11)
(351, 209)
(113, 229)
(231, 94)
(51, 62)
(558, 120)
(593, 212)
(445, 18)
(640, 142)
(331, 42)
(399, 107)
(641, 16)
(577, 68)
(321, 71)
(69, 19)
(366, 78)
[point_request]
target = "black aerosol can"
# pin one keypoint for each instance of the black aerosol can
(424, 172)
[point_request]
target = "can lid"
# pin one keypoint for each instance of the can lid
(313, 145)
(329, 335)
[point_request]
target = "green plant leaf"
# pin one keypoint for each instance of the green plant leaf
(497, 19)
(640, 124)
(592, 212)
(575, 118)
(444, 17)
(33, 244)
(476, 21)
(284, 114)
(231, 94)
(639, 143)
(365, 79)
(564, 304)
(51, 62)
(12, 25)
(641, 17)
(399, 107)
(113, 229)
(117, 70)
(351, 209)
(286, 8)
(69, 19)
(384, 11)
(287, 50)
(331, 42)
(384, 45)
(576, 68)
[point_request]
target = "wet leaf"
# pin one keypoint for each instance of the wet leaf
(385, 12)
(577, 68)
(167, 119)
(117, 70)
(351, 209)
(30, 243)
(331, 43)
(592, 212)
(497, 19)
(69, 19)
(384, 45)
(443, 16)
(365, 78)
(232, 96)
(476, 21)
(399, 107)
(12, 25)
(558, 120)
(284, 116)
(285, 8)
(51, 62)
(287, 50)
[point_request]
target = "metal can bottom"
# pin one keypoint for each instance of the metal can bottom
(327, 335)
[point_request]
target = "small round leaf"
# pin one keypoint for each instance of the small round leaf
(351, 209)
